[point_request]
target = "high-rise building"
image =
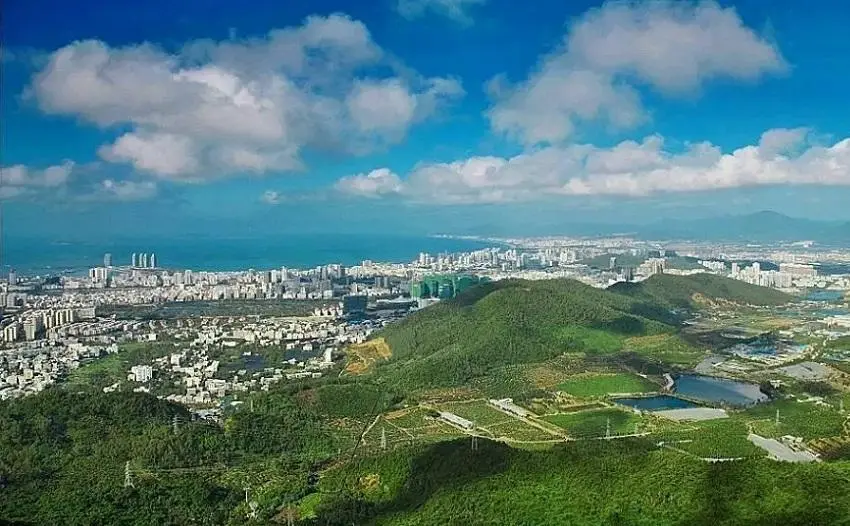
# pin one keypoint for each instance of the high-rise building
(99, 274)
(153, 260)
(135, 261)
(107, 260)
(144, 261)
(13, 277)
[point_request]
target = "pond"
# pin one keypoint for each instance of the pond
(718, 390)
(656, 403)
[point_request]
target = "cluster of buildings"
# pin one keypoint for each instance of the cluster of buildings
(788, 276)
(216, 357)
(29, 368)
(34, 324)
(136, 260)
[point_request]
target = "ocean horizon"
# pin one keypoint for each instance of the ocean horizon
(33, 256)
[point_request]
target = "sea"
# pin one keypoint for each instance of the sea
(39, 257)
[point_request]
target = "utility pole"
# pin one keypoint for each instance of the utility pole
(777, 417)
(252, 405)
(128, 476)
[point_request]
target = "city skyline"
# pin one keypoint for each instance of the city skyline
(332, 116)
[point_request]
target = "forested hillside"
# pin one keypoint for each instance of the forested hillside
(582, 483)
(515, 322)
(63, 458)
(509, 322)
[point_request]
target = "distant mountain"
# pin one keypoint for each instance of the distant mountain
(758, 227)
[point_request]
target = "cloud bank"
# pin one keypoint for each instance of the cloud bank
(630, 168)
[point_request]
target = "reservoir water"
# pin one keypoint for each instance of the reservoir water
(656, 403)
(718, 390)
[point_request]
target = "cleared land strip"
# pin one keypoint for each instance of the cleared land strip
(779, 451)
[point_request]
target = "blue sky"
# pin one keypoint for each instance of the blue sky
(474, 116)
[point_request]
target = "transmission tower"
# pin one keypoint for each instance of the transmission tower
(383, 438)
(174, 424)
(607, 428)
(841, 405)
(475, 442)
(128, 476)
(777, 417)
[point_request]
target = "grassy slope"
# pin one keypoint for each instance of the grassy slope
(590, 385)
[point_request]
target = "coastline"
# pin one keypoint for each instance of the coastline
(45, 257)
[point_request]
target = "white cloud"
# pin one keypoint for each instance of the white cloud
(383, 106)
(163, 154)
(455, 9)
(674, 47)
(223, 108)
(125, 190)
(271, 197)
(627, 169)
(374, 184)
(19, 180)
(386, 108)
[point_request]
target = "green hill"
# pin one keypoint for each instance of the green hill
(680, 291)
(511, 323)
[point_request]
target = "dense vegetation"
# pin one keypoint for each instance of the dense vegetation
(505, 323)
(593, 482)
(62, 459)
